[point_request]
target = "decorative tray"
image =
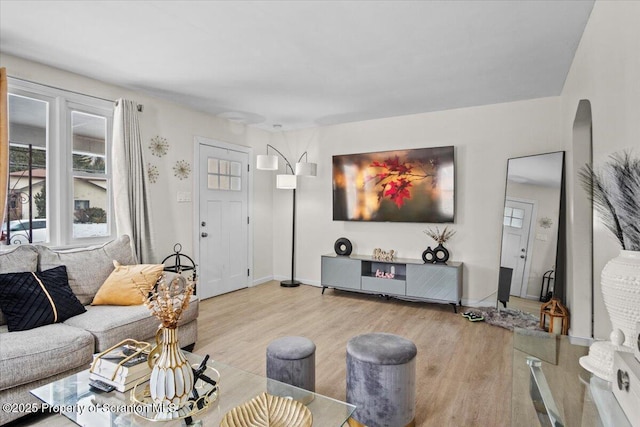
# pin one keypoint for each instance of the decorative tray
(204, 393)
(266, 410)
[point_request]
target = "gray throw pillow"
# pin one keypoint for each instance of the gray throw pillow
(88, 268)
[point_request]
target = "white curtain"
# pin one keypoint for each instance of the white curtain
(4, 143)
(131, 200)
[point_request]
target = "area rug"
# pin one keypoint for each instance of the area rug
(509, 318)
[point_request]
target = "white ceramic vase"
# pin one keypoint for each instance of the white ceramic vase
(620, 281)
(171, 379)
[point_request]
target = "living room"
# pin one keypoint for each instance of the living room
(603, 70)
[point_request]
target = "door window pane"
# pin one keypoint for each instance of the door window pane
(224, 182)
(224, 167)
(212, 165)
(235, 169)
(212, 182)
(224, 174)
(236, 184)
(513, 217)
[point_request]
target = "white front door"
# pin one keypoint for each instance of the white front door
(515, 243)
(223, 220)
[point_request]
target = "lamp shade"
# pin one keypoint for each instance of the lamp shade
(286, 182)
(306, 169)
(266, 162)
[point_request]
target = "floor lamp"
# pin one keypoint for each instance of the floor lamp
(288, 182)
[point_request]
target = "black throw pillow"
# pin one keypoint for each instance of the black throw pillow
(29, 300)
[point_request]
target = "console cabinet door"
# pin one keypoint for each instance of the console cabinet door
(437, 282)
(341, 272)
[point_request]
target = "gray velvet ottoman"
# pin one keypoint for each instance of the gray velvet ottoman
(381, 380)
(292, 360)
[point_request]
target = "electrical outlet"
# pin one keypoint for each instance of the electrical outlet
(184, 196)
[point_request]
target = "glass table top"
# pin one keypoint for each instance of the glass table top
(73, 397)
(559, 392)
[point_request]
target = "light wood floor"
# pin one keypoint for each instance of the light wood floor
(464, 369)
(524, 304)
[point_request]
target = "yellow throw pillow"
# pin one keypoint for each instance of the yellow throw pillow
(121, 287)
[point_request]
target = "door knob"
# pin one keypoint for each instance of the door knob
(203, 234)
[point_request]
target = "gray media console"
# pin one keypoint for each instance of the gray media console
(413, 279)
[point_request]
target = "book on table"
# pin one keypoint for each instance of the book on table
(121, 364)
(121, 386)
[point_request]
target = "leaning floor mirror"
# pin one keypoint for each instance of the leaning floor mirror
(531, 227)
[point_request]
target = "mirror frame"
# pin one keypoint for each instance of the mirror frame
(505, 274)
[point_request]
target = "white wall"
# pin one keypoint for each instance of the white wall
(484, 137)
(606, 71)
(173, 221)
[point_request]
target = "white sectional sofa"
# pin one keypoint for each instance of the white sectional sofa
(37, 356)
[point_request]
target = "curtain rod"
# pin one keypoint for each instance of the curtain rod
(140, 107)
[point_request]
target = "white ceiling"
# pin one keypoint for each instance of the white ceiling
(307, 63)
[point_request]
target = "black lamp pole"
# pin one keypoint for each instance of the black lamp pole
(293, 282)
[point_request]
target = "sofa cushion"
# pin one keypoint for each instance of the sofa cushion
(87, 268)
(110, 324)
(19, 259)
(128, 284)
(35, 299)
(42, 352)
(16, 260)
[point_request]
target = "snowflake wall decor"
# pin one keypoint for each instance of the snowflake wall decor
(546, 222)
(159, 146)
(182, 169)
(152, 173)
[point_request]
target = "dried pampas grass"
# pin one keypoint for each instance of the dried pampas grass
(615, 193)
(168, 301)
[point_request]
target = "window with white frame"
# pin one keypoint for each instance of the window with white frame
(59, 166)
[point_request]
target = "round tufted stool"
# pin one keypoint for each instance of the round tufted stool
(292, 360)
(381, 380)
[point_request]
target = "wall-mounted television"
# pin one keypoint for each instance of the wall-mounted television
(415, 185)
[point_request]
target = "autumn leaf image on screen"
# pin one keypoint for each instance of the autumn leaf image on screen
(403, 186)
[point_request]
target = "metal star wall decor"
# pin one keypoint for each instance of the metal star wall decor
(182, 169)
(152, 173)
(546, 222)
(159, 146)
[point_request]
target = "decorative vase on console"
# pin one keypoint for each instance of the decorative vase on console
(171, 378)
(615, 193)
(439, 254)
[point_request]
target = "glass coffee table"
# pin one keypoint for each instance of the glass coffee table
(73, 398)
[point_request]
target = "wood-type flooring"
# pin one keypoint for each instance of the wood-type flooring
(464, 369)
